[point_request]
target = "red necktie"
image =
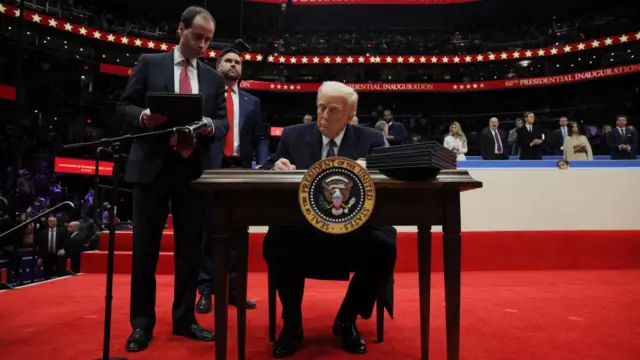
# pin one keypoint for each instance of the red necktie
(184, 143)
(498, 143)
(229, 139)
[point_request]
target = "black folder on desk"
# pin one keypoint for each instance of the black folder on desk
(180, 109)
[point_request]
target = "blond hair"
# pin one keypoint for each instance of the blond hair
(460, 134)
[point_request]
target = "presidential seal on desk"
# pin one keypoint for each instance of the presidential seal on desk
(337, 195)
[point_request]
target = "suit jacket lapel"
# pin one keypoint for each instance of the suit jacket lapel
(243, 103)
(348, 143)
(314, 146)
(169, 79)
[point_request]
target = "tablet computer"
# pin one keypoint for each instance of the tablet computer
(180, 109)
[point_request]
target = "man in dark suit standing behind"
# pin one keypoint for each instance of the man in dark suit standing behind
(161, 169)
(242, 141)
(492, 142)
(530, 139)
(53, 245)
(622, 140)
(293, 253)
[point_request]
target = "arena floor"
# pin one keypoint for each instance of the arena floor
(506, 315)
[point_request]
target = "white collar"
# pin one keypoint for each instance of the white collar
(337, 139)
(178, 59)
(234, 88)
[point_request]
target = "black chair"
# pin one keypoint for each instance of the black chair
(272, 311)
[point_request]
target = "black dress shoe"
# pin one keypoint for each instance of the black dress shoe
(138, 340)
(203, 306)
(350, 338)
(195, 332)
(250, 303)
(288, 343)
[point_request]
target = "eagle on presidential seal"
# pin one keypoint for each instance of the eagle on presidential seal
(336, 195)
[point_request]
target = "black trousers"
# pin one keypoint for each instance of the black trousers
(75, 261)
(53, 265)
(205, 281)
(294, 254)
(150, 210)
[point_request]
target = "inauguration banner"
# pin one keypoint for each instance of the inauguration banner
(427, 87)
(7, 92)
(64, 165)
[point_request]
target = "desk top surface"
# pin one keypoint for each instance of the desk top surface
(283, 180)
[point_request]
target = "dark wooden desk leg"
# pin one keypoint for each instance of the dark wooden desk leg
(424, 278)
(221, 246)
(451, 246)
(240, 236)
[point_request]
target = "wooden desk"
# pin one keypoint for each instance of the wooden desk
(251, 197)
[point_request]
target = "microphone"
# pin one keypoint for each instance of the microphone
(196, 126)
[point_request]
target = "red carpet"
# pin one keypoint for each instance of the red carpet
(546, 315)
(483, 251)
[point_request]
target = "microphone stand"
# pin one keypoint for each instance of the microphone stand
(112, 146)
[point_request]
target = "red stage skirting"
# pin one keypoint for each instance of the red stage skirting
(485, 251)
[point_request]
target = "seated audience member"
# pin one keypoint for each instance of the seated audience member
(563, 164)
(576, 146)
(383, 127)
(293, 253)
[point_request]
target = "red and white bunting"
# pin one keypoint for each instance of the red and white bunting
(425, 87)
(282, 59)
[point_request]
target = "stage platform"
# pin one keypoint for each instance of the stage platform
(481, 251)
(523, 315)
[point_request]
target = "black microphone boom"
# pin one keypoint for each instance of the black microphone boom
(196, 126)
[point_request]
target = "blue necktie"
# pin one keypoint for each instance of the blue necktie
(332, 145)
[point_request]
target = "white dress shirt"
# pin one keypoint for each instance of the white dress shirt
(325, 143)
(235, 96)
(192, 71)
(496, 137)
(52, 240)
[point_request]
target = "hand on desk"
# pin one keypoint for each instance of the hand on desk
(283, 165)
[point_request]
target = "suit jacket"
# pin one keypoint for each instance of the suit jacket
(557, 141)
(250, 119)
(76, 243)
(302, 145)
(615, 139)
(42, 241)
(528, 152)
(488, 144)
(155, 73)
(399, 133)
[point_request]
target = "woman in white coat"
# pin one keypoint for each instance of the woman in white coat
(456, 141)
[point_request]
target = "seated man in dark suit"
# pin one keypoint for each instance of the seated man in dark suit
(293, 253)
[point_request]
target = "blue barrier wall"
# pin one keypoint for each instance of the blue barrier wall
(513, 164)
(550, 157)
